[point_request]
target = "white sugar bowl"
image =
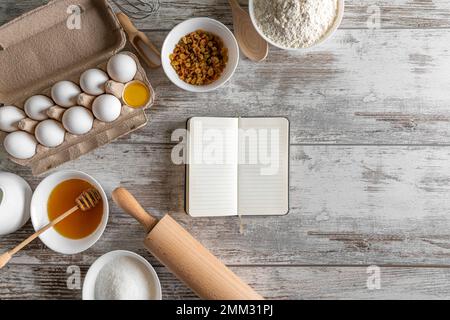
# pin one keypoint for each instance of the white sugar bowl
(15, 199)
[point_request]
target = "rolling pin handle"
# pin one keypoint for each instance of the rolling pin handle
(125, 200)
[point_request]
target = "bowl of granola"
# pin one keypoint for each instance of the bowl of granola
(200, 55)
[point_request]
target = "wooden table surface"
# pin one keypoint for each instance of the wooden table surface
(370, 163)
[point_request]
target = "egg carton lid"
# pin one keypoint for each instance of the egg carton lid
(54, 42)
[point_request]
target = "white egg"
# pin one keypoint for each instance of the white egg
(65, 93)
(20, 145)
(122, 68)
(78, 120)
(10, 117)
(93, 81)
(50, 133)
(36, 107)
(107, 108)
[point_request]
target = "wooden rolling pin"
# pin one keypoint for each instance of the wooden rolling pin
(184, 256)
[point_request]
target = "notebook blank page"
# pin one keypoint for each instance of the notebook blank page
(212, 171)
(263, 186)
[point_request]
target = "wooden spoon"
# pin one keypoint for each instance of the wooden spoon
(86, 201)
(147, 50)
(250, 41)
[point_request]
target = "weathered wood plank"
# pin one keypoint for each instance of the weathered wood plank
(393, 14)
(349, 205)
(358, 14)
(50, 282)
(363, 87)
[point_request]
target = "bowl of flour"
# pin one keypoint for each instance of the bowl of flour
(296, 24)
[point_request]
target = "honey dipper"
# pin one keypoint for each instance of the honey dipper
(85, 202)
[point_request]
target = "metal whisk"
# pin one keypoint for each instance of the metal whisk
(138, 9)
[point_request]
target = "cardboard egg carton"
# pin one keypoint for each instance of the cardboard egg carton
(40, 48)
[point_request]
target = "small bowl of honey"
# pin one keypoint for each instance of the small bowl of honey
(55, 195)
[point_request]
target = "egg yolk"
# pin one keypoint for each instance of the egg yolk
(136, 94)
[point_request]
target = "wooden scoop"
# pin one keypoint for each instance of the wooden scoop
(147, 50)
(86, 201)
(250, 41)
(184, 256)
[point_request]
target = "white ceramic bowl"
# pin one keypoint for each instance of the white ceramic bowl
(39, 214)
(93, 272)
(15, 198)
(328, 35)
(192, 25)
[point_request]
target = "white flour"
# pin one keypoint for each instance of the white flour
(295, 23)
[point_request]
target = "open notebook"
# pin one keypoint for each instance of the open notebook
(237, 166)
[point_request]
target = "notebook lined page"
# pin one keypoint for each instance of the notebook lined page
(263, 172)
(212, 180)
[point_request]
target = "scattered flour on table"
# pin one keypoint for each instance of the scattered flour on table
(124, 278)
(295, 23)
